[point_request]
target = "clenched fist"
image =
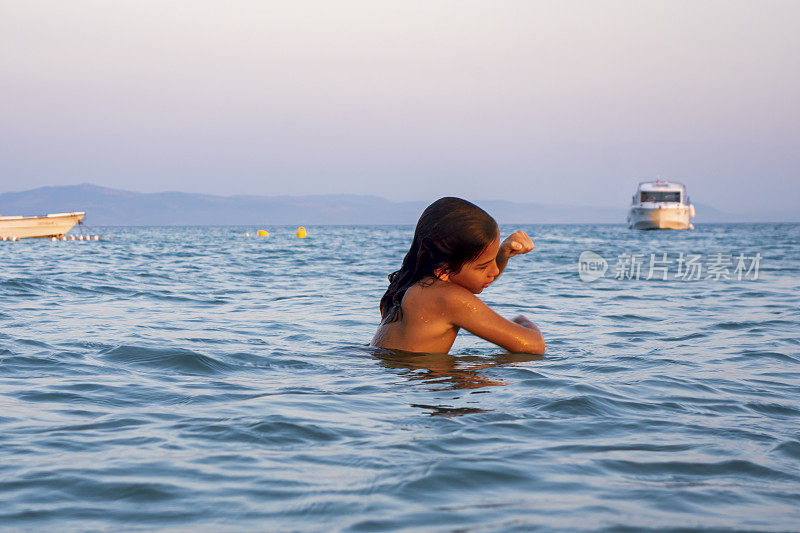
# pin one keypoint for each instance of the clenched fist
(516, 244)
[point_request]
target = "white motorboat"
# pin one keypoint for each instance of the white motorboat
(53, 225)
(660, 205)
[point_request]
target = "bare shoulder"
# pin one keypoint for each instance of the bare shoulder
(449, 295)
(444, 300)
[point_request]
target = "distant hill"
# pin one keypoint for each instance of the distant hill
(114, 207)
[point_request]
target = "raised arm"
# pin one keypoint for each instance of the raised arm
(467, 311)
(515, 244)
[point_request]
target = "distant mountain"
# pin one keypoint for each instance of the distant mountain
(113, 207)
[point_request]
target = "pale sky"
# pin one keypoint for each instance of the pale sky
(554, 102)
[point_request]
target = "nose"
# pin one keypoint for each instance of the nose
(494, 272)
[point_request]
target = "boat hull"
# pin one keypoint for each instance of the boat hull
(55, 225)
(659, 217)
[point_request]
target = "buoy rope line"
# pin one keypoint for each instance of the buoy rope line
(90, 229)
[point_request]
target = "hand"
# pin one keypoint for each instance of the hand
(516, 244)
(522, 320)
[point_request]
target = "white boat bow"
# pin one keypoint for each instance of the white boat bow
(52, 225)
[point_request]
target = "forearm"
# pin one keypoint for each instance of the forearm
(468, 312)
(502, 260)
(515, 244)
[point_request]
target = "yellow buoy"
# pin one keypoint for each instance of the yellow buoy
(301, 232)
(263, 233)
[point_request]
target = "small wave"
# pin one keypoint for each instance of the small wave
(580, 406)
(671, 469)
(689, 337)
(636, 335)
(462, 474)
(626, 297)
(87, 289)
(51, 397)
(672, 382)
(635, 318)
(765, 354)
(164, 296)
(272, 430)
(34, 343)
(298, 337)
(101, 426)
(24, 286)
(94, 488)
(178, 359)
(637, 447)
(774, 410)
(751, 324)
(50, 364)
(789, 448)
(604, 369)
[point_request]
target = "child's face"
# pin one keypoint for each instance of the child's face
(477, 274)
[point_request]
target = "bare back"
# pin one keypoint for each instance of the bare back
(424, 326)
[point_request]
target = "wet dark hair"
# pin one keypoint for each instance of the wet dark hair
(450, 232)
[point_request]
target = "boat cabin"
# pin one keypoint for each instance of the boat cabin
(659, 192)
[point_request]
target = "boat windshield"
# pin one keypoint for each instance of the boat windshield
(661, 196)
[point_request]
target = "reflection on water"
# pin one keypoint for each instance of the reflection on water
(449, 410)
(449, 372)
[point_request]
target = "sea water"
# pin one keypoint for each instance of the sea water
(195, 378)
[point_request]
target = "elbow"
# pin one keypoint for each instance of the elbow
(536, 348)
(532, 339)
(536, 345)
(540, 349)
